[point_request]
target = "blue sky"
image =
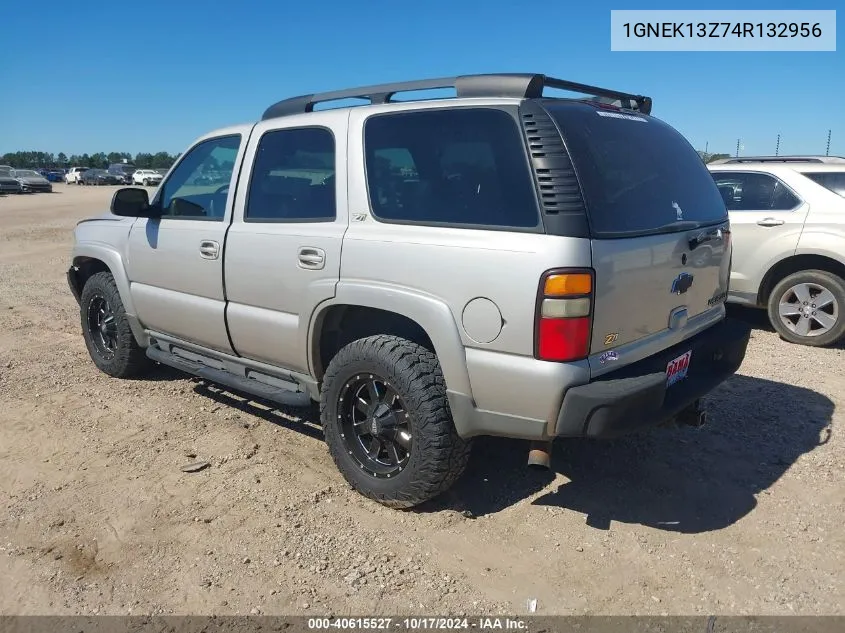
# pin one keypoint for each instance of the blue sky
(153, 75)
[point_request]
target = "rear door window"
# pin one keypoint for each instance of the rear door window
(638, 174)
(293, 178)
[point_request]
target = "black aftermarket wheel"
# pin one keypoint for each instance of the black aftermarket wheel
(387, 422)
(106, 330)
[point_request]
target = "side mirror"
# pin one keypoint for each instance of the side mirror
(132, 202)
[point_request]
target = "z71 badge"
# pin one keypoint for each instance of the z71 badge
(610, 339)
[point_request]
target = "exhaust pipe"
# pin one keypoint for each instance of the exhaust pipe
(540, 454)
(694, 415)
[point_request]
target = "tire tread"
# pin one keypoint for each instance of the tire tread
(442, 453)
(130, 360)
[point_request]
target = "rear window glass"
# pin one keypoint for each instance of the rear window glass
(637, 173)
(833, 180)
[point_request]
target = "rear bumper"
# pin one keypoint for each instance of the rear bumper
(636, 396)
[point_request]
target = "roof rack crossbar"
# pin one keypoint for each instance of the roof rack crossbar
(513, 85)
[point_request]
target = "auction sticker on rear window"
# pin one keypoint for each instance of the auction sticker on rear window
(677, 369)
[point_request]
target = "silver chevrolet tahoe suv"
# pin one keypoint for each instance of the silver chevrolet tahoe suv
(500, 262)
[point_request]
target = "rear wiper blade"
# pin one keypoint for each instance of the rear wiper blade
(672, 227)
(680, 225)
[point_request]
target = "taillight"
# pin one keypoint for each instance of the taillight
(564, 309)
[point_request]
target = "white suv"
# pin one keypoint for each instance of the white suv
(788, 225)
(146, 177)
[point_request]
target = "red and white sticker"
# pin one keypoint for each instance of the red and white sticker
(677, 369)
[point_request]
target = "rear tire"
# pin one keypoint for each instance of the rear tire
(808, 308)
(410, 399)
(106, 330)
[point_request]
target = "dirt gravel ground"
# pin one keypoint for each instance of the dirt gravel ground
(743, 516)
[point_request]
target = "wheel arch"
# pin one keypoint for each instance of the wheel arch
(90, 259)
(794, 264)
(366, 310)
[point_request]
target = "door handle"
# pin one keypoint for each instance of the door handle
(209, 249)
(311, 258)
(769, 222)
(715, 235)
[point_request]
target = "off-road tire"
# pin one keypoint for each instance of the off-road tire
(829, 281)
(438, 455)
(128, 359)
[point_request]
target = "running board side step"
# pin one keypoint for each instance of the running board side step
(251, 386)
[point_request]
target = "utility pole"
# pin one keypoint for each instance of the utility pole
(777, 147)
(737, 147)
(706, 146)
(827, 151)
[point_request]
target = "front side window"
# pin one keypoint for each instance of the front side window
(464, 167)
(293, 177)
(753, 191)
(197, 188)
(831, 180)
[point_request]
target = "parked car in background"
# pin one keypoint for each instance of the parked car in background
(788, 227)
(833, 160)
(73, 175)
(8, 182)
(100, 177)
(32, 182)
(55, 175)
(123, 171)
(146, 177)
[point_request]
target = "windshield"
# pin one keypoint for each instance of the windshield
(26, 173)
(638, 174)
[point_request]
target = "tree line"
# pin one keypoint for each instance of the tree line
(709, 158)
(45, 160)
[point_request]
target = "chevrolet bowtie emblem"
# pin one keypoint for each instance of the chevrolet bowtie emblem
(681, 283)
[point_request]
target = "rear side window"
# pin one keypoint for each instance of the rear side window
(638, 175)
(832, 180)
(458, 167)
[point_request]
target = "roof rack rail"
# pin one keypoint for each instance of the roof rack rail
(811, 158)
(514, 85)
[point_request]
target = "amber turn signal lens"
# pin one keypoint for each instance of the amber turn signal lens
(568, 284)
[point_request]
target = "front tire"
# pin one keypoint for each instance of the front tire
(106, 330)
(387, 421)
(808, 308)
